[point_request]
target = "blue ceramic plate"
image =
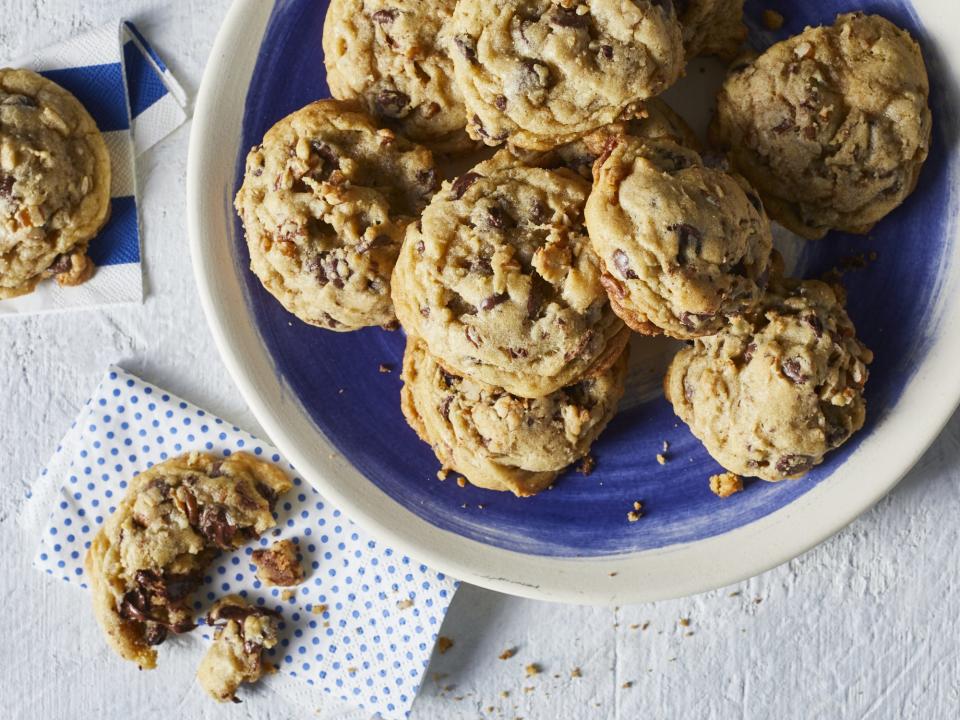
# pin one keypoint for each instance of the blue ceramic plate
(321, 399)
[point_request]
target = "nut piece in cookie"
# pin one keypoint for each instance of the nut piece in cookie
(500, 281)
(712, 27)
(500, 441)
(325, 200)
(778, 387)
(152, 552)
(538, 73)
(54, 183)
(831, 126)
(683, 246)
(393, 56)
(278, 564)
(242, 632)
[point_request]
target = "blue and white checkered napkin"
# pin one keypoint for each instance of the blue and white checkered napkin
(363, 624)
(136, 102)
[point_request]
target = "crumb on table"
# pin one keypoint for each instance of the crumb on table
(725, 484)
(533, 669)
(277, 565)
(661, 458)
(587, 464)
(508, 653)
(772, 20)
(443, 644)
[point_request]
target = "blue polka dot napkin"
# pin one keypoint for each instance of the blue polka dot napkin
(363, 624)
(136, 102)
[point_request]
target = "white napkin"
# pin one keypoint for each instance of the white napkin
(136, 102)
(368, 646)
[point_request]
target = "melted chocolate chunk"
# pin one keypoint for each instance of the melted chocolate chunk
(814, 322)
(467, 46)
(215, 527)
(6, 186)
(794, 370)
(500, 219)
(794, 464)
(61, 264)
(689, 242)
(385, 17)
(488, 303)
(501, 102)
(694, 320)
(462, 184)
(392, 103)
(607, 51)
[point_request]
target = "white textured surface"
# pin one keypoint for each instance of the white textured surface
(865, 626)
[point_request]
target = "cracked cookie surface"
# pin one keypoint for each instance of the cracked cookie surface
(500, 441)
(152, 552)
(499, 279)
(831, 126)
(54, 183)
(325, 201)
(537, 73)
(394, 57)
(683, 246)
(241, 633)
(777, 388)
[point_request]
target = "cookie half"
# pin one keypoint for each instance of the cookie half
(152, 552)
(538, 73)
(500, 441)
(54, 183)
(325, 200)
(394, 57)
(831, 126)
(683, 246)
(777, 388)
(499, 279)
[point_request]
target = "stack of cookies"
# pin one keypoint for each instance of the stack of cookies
(519, 280)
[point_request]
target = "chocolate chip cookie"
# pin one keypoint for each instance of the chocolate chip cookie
(831, 126)
(152, 552)
(500, 441)
(394, 57)
(659, 121)
(538, 73)
(712, 27)
(499, 279)
(325, 201)
(778, 387)
(54, 184)
(683, 246)
(241, 633)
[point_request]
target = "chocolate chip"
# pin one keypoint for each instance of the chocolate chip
(215, 469)
(215, 527)
(425, 311)
(501, 102)
(478, 123)
(581, 346)
(694, 320)
(539, 213)
(755, 201)
(534, 75)
(622, 263)
(517, 353)
(61, 264)
(419, 247)
(500, 219)
(329, 157)
(784, 125)
(488, 303)
(448, 378)
(327, 269)
(794, 464)
(540, 290)
(135, 605)
(607, 51)
(154, 634)
(689, 241)
(468, 47)
(379, 241)
(481, 266)
(814, 322)
(6, 186)
(462, 184)
(794, 370)
(392, 103)
(473, 336)
(385, 17)
(836, 435)
(427, 179)
(748, 353)
(568, 17)
(445, 407)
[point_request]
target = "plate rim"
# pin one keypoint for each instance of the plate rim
(642, 576)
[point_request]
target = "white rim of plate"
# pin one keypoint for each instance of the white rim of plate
(882, 459)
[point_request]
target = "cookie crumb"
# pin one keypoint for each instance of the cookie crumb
(627, 685)
(319, 609)
(684, 622)
(443, 644)
(287, 595)
(461, 481)
(576, 673)
(442, 474)
(634, 626)
(772, 20)
(405, 604)
(504, 693)
(633, 516)
(725, 484)
(532, 669)
(277, 565)
(587, 464)
(645, 625)
(508, 653)
(661, 458)
(384, 368)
